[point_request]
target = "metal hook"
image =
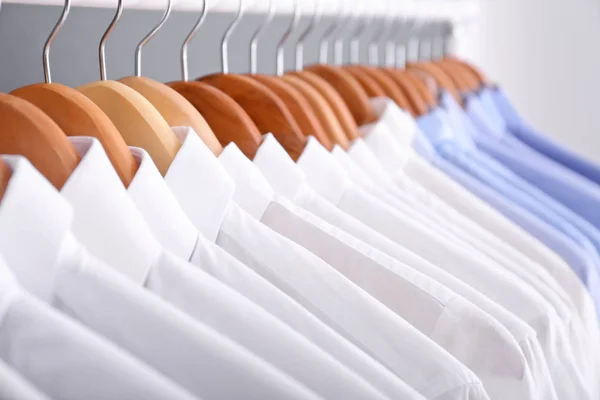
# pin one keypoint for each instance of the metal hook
(338, 44)
(102, 47)
(315, 18)
(50, 40)
(292, 26)
(402, 47)
(355, 42)
(150, 35)
(227, 36)
(254, 42)
(326, 38)
(390, 42)
(187, 41)
(383, 31)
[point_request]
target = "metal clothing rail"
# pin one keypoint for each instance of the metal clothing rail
(450, 10)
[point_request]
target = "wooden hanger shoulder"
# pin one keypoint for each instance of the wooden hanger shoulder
(322, 110)
(333, 98)
(479, 75)
(441, 78)
(369, 85)
(136, 119)
(76, 115)
(298, 105)
(27, 131)
(390, 86)
(228, 120)
(463, 78)
(415, 97)
(174, 108)
(268, 111)
(427, 93)
(349, 89)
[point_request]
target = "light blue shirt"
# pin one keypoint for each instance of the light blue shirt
(531, 139)
(494, 137)
(456, 155)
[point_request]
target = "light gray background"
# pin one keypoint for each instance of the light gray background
(74, 55)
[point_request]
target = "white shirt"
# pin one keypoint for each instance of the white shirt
(504, 255)
(327, 177)
(208, 300)
(56, 354)
(14, 387)
(404, 298)
(310, 281)
(506, 237)
(48, 261)
(220, 264)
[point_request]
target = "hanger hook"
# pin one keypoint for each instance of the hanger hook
(225, 42)
(382, 32)
(150, 35)
(102, 47)
(356, 36)
(50, 40)
(291, 27)
(257, 35)
(403, 45)
(326, 38)
(184, 47)
(338, 43)
(315, 18)
(390, 42)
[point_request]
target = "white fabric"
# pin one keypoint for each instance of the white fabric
(520, 265)
(56, 354)
(535, 263)
(361, 264)
(475, 269)
(214, 260)
(318, 287)
(36, 236)
(279, 169)
(14, 387)
(231, 314)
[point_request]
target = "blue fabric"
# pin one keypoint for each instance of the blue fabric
(452, 150)
(571, 189)
(535, 140)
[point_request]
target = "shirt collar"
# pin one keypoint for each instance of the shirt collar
(360, 153)
(439, 129)
(477, 113)
(358, 176)
(323, 173)
(278, 168)
(200, 183)
(160, 208)
(252, 191)
(386, 147)
(9, 289)
(106, 221)
(34, 221)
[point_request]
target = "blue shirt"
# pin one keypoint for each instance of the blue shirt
(451, 153)
(532, 139)
(494, 137)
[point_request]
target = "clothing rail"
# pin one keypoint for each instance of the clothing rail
(454, 10)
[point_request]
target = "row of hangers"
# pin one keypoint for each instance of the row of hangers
(328, 101)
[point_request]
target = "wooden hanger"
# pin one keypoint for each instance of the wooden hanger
(76, 115)
(369, 85)
(138, 122)
(427, 94)
(322, 109)
(469, 77)
(334, 99)
(297, 102)
(441, 78)
(173, 107)
(461, 77)
(5, 174)
(390, 86)
(482, 79)
(27, 131)
(402, 79)
(350, 91)
(228, 120)
(266, 109)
